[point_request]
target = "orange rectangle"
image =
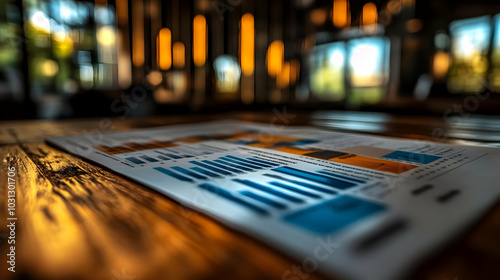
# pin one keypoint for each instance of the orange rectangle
(134, 147)
(113, 150)
(295, 151)
(374, 163)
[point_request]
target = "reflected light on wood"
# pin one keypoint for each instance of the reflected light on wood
(79, 221)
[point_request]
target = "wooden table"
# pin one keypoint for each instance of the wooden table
(80, 221)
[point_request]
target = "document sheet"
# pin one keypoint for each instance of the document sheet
(349, 205)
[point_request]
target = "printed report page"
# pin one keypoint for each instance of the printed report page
(334, 201)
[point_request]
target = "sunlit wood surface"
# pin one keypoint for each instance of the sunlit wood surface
(80, 221)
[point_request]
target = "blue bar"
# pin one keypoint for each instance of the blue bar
(225, 194)
(223, 172)
(269, 190)
(189, 173)
(252, 167)
(341, 176)
(334, 215)
(294, 189)
(263, 162)
(233, 165)
(160, 153)
(250, 162)
(150, 159)
(210, 149)
(303, 184)
(135, 160)
(336, 183)
(264, 200)
(173, 174)
(172, 156)
(216, 149)
(183, 151)
(169, 155)
(164, 158)
(412, 157)
(203, 171)
(222, 166)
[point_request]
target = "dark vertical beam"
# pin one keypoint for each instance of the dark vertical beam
(148, 48)
(261, 42)
(190, 50)
(30, 110)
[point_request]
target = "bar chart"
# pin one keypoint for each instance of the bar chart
(271, 192)
(266, 186)
(167, 154)
(221, 166)
(273, 188)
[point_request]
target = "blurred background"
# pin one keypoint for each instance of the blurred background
(72, 59)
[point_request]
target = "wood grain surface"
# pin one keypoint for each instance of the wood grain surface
(80, 221)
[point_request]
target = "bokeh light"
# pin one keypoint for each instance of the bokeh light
(275, 57)
(199, 40)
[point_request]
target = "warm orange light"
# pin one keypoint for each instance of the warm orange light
(318, 16)
(164, 49)
(179, 54)
(407, 3)
(440, 64)
(394, 6)
(294, 71)
(283, 78)
(155, 78)
(105, 36)
(247, 89)
(199, 40)
(155, 20)
(274, 58)
(122, 12)
(309, 43)
(341, 16)
(49, 68)
(101, 2)
(370, 14)
(414, 25)
(138, 33)
(247, 44)
(124, 64)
